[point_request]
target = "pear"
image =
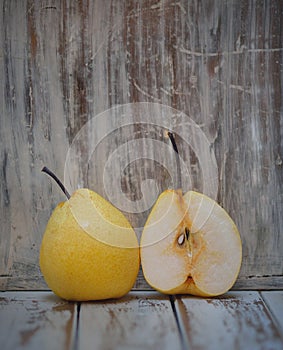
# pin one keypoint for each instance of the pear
(89, 250)
(190, 245)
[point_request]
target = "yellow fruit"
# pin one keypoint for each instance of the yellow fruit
(190, 245)
(89, 250)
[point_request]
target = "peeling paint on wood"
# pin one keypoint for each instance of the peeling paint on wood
(219, 62)
(141, 320)
(36, 320)
(237, 320)
(137, 321)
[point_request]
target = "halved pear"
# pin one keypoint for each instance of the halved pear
(190, 245)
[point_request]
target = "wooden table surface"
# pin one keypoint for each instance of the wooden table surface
(142, 320)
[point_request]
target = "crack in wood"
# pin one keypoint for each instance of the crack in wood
(5, 275)
(178, 320)
(262, 276)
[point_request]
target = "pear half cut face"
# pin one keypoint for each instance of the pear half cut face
(190, 245)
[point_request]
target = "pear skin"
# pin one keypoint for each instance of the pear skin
(89, 250)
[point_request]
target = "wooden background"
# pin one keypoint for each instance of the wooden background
(219, 62)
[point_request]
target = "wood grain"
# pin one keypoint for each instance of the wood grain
(138, 321)
(217, 62)
(142, 320)
(238, 320)
(274, 301)
(36, 320)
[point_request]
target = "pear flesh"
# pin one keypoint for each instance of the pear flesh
(89, 250)
(190, 245)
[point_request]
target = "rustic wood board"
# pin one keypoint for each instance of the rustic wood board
(36, 320)
(142, 320)
(237, 320)
(138, 321)
(274, 301)
(217, 61)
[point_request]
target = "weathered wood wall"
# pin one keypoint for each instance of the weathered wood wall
(220, 62)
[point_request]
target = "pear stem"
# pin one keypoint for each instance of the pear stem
(179, 175)
(172, 139)
(50, 173)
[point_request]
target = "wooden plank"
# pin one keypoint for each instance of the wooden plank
(274, 301)
(64, 62)
(36, 320)
(141, 320)
(237, 320)
(267, 282)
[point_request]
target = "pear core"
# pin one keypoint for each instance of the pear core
(89, 250)
(190, 245)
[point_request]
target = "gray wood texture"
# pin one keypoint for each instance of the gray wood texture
(274, 301)
(138, 321)
(219, 62)
(36, 320)
(142, 320)
(238, 320)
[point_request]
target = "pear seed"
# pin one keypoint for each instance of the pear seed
(187, 232)
(181, 239)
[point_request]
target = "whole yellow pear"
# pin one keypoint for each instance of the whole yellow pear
(89, 250)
